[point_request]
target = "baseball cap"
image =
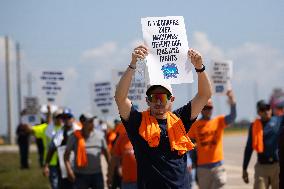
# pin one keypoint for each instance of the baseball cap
(87, 117)
(168, 87)
(67, 113)
(58, 113)
(262, 105)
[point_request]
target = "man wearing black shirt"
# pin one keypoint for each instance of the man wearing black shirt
(160, 163)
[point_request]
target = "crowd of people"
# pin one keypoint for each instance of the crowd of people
(158, 147)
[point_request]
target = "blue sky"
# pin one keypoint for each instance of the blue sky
(88, 38)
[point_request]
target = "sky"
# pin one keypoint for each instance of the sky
(86, 39)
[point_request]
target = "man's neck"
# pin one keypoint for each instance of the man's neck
(86, 134)
(164, 116)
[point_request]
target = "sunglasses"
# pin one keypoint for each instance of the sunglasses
(162, 98)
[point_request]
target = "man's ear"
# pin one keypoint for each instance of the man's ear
(172, 98)
(148, 102)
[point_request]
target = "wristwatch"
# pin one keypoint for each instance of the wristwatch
(200, 70)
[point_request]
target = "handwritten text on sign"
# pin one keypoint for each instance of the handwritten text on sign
(167, 42)
(221, 76)
(103, 98)
(51, 84)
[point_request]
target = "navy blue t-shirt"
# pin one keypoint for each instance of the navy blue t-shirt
(158, 167)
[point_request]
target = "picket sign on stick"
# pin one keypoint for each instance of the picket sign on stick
(221, 74)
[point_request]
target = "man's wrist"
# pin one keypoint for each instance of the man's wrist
(202, 69)
(131, 66)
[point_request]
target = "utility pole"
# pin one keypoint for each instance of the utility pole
(9, 93)
(18, 60)
(30, 90)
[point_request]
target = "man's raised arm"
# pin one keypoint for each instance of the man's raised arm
(121, 93)
(204, 86)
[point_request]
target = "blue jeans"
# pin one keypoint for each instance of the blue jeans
(85, 181)
(53, 176)
(128, 185)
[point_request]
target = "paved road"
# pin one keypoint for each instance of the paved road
(233, 147)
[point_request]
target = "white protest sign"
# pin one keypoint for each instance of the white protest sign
(31, 119)
(137, 90)
(103, 98)
(31, 105)
(166, 39)
(51, 86)
(221, 75)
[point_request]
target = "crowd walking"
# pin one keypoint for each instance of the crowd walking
(159, 147)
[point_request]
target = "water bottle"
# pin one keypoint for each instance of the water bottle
(140, 70)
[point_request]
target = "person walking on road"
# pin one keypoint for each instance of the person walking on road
(208, 134)
(263, 137)
(88, 145)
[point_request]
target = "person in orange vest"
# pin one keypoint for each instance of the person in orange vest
(124, 158)
(112, 137)
(159, 136)
(88, 145)
(263, 137)
(113, 134)
(208, 135)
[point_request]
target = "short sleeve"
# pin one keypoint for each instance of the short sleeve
(133, 123)
(184, 113)
(191, 132)
(39, 130)
(71, 143)
(221, 122)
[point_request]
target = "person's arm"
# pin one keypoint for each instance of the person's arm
(70, 172)
(114, 162)
(105, 151)
(204, 86)
(49, 115)
(50, 152)
(247, 156)
(69, 147)
(121, 93)
(230, 118)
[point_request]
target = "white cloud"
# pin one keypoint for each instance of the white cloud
(107, 57)
(254, 65)
(252, 61)
(101, 52)
(257, 68)
(71, 72)
(258, 62)
(208, 50)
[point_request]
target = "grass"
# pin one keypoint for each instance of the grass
(12, 177)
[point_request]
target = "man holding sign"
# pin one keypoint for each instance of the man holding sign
(158, 135)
